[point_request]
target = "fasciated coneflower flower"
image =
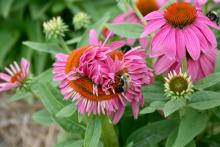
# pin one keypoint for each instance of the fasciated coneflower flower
(15, 75)
(178, 86)
(101, 79)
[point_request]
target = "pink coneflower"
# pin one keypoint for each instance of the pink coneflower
(101, 79)
(182, 31)
(15, 76)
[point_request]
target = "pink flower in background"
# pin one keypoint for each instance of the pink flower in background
(200, 3)
(15, 75)
(180, 33)
(102, 80)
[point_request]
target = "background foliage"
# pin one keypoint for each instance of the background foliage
(21, 35)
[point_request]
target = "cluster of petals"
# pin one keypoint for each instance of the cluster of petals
(90, 83)
(186, 37)
(14, 76)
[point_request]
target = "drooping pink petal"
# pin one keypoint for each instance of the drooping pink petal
(180, 45)
(135, 109)
(162, 64)
(157, 45)
(154, 15)
(192, 43)
(170, 44)
(152, 26)
(117, 115)
(210, 36)
(193, 69)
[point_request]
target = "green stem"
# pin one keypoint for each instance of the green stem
(63, 44)
(138, 13)
(109, 136)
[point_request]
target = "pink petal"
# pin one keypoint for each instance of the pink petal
(93, 38)
(135, 109)
(130, 41)
(153, 26)
(192, 43)
(210, 36)
(162, 64)
(180, 45)
(118, 114)
(193, 69)
(207, 66)
(157, 45)
(170, 44)
(5, 77)
(154, 15)
(116, 45)
(143, 42)
(7, 86)
(25, 66)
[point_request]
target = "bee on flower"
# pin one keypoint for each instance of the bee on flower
(15, 76)
(100, 79)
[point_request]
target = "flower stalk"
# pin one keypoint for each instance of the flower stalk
(109, 136)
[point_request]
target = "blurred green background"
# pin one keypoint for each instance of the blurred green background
(21, 20)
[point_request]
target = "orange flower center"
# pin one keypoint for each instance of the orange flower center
(16, 77)
(180, 14)
(84, 85)
(147, 6)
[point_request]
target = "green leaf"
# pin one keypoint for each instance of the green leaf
(156, 105)
(5, 7)
(128, 30)
(7, 41)
(154, 92)
(70, 143)
(208, 81)
(171, 139)
(151, 134)
(204, 100)
(42, 117)
(51, 48)
(19, 95)
(191, 125)
(172, 106)
(53, 102)
(67, 111)
(108, 131)
(93, 132)
(98, 26)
